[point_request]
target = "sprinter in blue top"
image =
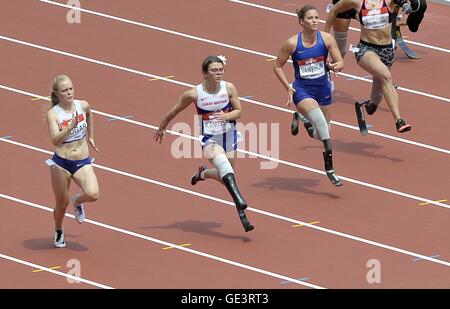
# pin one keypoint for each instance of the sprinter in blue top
(311, 90)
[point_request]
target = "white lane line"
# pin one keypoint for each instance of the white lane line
(254, 154)
(189, 85)
(266, 213)
(263, 7)
(395, 138)
(55, 272)
(168, 244)
(224, 45)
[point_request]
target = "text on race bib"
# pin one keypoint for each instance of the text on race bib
(212, 126)
(312, 67)
(375, 18)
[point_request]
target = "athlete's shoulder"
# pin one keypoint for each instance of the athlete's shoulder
(84, 104)
(190, 94)
(290, 44)
(292, 41)
(51, 111)
(327, 38)
(230, 86)
(51, 114)
(325, 35)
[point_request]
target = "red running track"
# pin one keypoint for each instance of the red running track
(148, 213)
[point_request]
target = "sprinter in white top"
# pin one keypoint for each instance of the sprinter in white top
(69, 122)
(218, 107)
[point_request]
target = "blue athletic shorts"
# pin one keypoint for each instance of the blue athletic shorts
(72, 166)
(319, 92)
(228, 140)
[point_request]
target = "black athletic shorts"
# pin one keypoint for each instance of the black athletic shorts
(385, 52)
(349, 14)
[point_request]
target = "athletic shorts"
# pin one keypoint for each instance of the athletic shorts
(349, 14)
(319, 92)
(72, 166)
(228, 140)
(385, 52)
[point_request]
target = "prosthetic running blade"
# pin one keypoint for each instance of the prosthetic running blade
(244, 220)
(359, 105)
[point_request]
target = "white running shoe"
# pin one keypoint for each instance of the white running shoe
(58, 239)
(79, 210)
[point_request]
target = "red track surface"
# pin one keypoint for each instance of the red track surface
(119, 260)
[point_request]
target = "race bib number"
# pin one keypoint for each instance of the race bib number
(213, 127)
(375, 18)
(312, 68)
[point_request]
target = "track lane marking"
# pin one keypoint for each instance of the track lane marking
(263, 7)
(266, 213)
(250, 153)
(58, 273)
(193, 37)
(163, 242)
(422, 145)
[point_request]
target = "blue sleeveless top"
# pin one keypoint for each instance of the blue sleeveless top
(310, 62)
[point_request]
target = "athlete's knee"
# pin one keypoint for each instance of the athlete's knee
(222, 165)
(341, 40)
(212, 150)
(62, 203)
(385, 76)
(92, 195)
(320, 123)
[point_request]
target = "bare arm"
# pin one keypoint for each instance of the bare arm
(56, 136)
(90, 123)
(341, 6)
(186, 98)
(235, 103)
(337, 63)
(283, 55)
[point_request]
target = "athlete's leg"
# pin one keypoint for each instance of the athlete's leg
(224, 170)
(60, 184)
(211, 173)
(340, 32)
(373, 65)
(210, 151)
(326, 110)
(85, 178)
(317, 118)
(310, 109)
(375, 97)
